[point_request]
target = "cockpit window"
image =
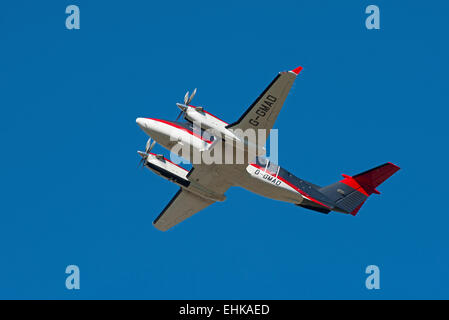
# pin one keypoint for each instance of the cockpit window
(262, 161)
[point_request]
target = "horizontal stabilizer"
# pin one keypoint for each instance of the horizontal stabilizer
(351, 193)
(367, 182)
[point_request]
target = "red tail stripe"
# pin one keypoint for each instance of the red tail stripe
(366, 182)
(350, 181)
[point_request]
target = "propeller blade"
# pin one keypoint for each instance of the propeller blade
(141, 163)
(147, 146)
(186, 97)
(152, 146)
(181, 106)
(191, 97)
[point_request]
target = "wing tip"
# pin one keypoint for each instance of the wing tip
(297, 70)
(159, 227)
(393, 166)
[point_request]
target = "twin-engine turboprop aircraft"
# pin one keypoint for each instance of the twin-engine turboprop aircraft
(205, 184)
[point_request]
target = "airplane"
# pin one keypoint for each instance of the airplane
(206, 184)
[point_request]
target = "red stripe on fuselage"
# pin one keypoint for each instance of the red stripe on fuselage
(182, 128)
(289, 184)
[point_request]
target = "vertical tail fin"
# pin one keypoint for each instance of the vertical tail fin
(350, 193)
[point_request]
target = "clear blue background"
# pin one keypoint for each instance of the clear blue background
(71, 192)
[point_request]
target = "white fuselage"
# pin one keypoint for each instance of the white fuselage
(174, 136)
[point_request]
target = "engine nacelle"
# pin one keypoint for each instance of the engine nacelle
(167, 169)
(174, 173)
(206, 120)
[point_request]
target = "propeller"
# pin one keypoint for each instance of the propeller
(187, 100)
(191, 97)
(148, 147)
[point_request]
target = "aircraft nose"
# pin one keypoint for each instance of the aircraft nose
(141, 122)
(147, 125)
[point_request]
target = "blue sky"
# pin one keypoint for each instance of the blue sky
(71, 192)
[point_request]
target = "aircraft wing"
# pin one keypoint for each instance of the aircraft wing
(211, 176)
(263, 112)
(183, 205)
